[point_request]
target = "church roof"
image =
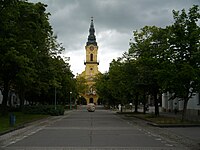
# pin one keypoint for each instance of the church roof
(91, 37)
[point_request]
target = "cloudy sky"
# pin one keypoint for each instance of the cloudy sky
(114, 22)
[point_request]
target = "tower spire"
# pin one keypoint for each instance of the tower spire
(91, 37)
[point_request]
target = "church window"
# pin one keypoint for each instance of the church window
(91, 57)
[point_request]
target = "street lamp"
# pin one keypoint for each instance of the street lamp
(55, 98)
(70, 106)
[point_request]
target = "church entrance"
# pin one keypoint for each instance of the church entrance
(91, 100)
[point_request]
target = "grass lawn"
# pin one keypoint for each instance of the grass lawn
(21, 119)
(161, 119)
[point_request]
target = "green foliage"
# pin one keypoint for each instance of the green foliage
(81, 85)
(29, 61)
(184, 40)
(159, 60)
(103, 89)
(167, 57)
(44, 109)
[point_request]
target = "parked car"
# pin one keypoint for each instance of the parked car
(91, 107)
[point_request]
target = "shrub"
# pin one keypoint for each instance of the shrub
(44, 109)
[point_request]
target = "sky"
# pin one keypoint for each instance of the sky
(114, 22)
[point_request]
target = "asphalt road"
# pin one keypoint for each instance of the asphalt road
(82, 130)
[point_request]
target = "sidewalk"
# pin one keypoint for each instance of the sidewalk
(29, 128)
(187, 136)
(179, 116)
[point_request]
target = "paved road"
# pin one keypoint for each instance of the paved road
(82, 130)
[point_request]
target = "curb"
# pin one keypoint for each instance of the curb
(172, 125)
(31, 122)
(11, 130)
(24, 125)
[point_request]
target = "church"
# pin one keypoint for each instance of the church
(91, 67)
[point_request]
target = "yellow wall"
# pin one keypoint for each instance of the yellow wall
(91, 70)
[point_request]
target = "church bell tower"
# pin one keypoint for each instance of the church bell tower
(91, 63)
(91, 66)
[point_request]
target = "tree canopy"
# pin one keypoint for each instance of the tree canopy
(160, 60)
(29, 55)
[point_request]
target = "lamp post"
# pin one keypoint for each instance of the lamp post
(55, 98)
(70, 106)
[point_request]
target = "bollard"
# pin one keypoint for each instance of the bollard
(12, 119)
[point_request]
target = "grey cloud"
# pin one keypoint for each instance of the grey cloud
(70, 19)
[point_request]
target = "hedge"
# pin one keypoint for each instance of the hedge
(44, 109)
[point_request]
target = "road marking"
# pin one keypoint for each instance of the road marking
(158, 139)
(13, 142)
(163, 142)
(170, 145)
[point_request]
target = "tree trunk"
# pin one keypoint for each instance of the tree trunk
(144, 103)
(22, 97)
(156, 103)
(184, 108)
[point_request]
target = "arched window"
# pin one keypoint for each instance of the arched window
(91, 57)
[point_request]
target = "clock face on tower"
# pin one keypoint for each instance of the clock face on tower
(91, 48)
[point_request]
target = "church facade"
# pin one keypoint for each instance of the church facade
(91, 67)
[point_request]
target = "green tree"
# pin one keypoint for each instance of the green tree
(9, 56)
(28, 55)
(168, 58)
(185, 49)
(35, 42)
(103, 90)
(147, 48)
(117, 85)
(131, 79)
(81, 85)
(61, 78)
